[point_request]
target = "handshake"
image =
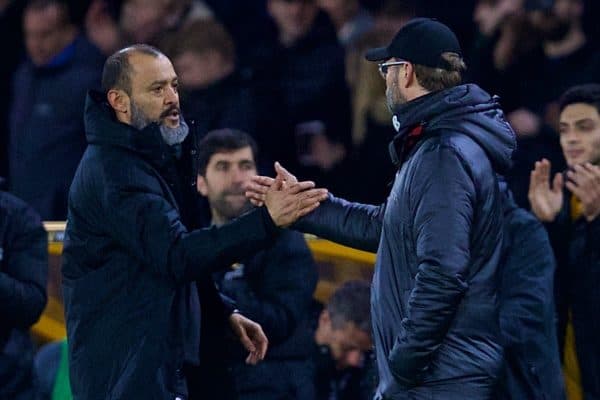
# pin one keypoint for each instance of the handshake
(286, 199)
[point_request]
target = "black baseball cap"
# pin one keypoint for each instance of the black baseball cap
(421, 41)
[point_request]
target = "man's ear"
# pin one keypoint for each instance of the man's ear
(120, 102)
(409, 75)
(201, 185)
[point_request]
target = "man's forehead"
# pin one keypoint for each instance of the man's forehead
(241, 154)
(579, 111)
(149, 68)
(52, 13)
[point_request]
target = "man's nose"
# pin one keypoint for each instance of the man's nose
(171, 96)
(237, 175)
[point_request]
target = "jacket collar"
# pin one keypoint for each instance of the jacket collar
(102, 128)
(465, 109)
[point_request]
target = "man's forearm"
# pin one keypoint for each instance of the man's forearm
(351, 224)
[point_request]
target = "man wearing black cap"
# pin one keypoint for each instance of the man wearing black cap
(439, 235)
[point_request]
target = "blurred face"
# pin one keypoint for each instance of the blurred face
(339, 8)
(579, 129)
(200, 70)
(154, 92)
(293, 18)
(143, 20)
(348, 345)
(224, 180)
(46, 33)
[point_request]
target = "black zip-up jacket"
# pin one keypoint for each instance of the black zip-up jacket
(135, 276)
(23, 278)
(438, 240)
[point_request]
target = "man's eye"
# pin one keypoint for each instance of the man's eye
(157, 90)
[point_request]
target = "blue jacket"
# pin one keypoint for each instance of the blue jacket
(46, 126)
(527, 313)
(135, 275)
(23, 278)
(438, 238)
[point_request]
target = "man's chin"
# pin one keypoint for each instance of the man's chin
(171, 124)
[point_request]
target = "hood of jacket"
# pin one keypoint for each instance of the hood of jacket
(466, 109)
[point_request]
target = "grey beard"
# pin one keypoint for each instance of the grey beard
(138, 118)
(173, 136)
(392, 102)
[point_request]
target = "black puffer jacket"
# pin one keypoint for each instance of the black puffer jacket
(130, 262)
(438, 240)
(23, 278)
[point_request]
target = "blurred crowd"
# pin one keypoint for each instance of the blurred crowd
(292, 74)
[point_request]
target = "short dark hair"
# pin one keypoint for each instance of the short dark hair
(222, 141)
(588, 93)
(116, 73)
(434, 79)
(351, 303)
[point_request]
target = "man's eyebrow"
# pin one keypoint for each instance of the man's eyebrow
(583, 120)
(163, 82)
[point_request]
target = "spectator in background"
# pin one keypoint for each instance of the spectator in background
(23, 276)
(309, 76)
(570, 207)
(532, 367)
(46, 125)
(343, 363)
(351, 21)
(565, 57)
(148, 21)
(372, 128)
(505, 36)
(215, 93)
(273, 287)
(101, 25)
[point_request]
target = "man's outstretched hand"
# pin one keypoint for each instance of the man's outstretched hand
(286, 199)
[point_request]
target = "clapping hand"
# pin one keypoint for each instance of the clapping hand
(584, 182)
(546, 201)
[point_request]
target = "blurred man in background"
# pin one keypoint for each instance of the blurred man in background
(23, 276)
(46, 129)
(343, 364)
(569, 204)
(273, 287)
